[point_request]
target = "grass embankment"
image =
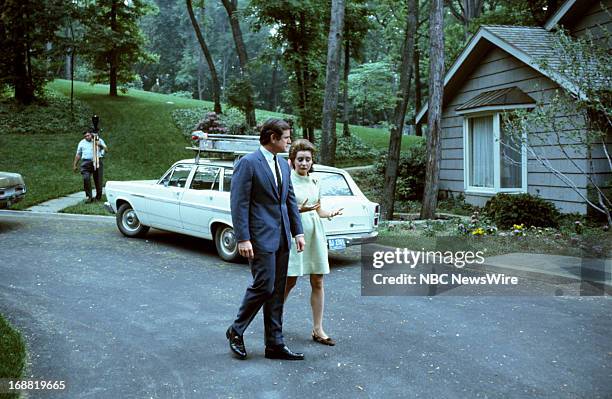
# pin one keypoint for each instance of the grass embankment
(13, 354)
(40, 141)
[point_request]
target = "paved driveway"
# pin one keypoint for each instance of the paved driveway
(145, 318)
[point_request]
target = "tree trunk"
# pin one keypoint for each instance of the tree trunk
(71, 71)
(434, 117)
(332, 78)
(272, 94)
(346, 132)
(24, 87)
(418, 129)
(211, 65)
(231, 7)
(200, 70)
(399, 113)
(68, 56)
(113, 56)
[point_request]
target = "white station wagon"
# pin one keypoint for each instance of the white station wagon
(193, 198)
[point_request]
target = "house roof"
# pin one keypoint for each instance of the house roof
(510, 96)
(531, 45)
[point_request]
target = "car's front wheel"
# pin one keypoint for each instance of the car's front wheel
(227, 246)
(128, 222)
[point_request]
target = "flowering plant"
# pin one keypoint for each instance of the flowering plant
(518, 230)
(478, 226)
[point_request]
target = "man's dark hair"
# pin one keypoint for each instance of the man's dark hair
(272, 126)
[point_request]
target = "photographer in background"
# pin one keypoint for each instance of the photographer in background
(89, 164)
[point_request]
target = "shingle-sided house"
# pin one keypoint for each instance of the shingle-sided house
(501, 70)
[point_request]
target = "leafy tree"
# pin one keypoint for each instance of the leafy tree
(356, 26)
(27, 31)
(209, 60)
(299, 30)
(371, 88)
(399, 114)
(113, 40)
(332, 78)
(244, 89)
(165, 36)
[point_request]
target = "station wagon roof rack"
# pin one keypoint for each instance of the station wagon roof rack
(224, 146)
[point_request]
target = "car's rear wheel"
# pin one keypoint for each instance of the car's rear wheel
(128, 222)
(227, 246)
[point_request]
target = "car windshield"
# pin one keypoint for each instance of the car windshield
(332, 184)
(177, 177)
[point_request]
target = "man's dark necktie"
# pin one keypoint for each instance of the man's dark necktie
(279, 182)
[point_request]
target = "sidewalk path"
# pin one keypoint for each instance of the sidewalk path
(552, 268)
(56, 205)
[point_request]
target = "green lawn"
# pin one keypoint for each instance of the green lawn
(12, 354)
(40, 142)
(93, 208)
(379, 138)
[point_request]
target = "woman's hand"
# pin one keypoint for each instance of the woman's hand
(308, 208)
(335, 213)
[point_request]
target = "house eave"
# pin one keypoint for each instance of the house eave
(495, 108)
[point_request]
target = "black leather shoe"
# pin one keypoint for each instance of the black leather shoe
(236, 343)
(283, 353)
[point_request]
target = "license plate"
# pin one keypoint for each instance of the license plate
(336, 244)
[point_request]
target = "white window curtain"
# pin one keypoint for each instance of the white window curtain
(511, 171)
(481, 148)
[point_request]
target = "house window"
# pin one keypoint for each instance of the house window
(494, 160)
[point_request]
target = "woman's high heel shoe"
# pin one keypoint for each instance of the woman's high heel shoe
(325, 341)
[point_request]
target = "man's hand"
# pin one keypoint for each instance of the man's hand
(245, 249)
(74, 168)
(300, 243)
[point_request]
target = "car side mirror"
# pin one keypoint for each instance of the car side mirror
(166, 183)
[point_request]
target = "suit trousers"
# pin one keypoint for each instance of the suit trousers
(269, 270)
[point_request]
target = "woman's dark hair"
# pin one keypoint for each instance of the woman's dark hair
(301, 145)
(272, 126)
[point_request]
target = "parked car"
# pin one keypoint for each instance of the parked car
(193, 198)
(12, 189)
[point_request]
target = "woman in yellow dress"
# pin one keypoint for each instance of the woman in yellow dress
(313, 260)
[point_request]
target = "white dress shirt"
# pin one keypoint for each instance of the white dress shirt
(270, 158)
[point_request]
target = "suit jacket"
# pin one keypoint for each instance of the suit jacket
(257, 209)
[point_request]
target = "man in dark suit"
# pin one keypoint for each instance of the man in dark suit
(265, 217)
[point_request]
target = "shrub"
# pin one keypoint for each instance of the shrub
(211, 124)
(411, 172)
(352, 147)
(456, 204)
(508, 210)
(182, 94)
(231, 120)
(49, 115)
